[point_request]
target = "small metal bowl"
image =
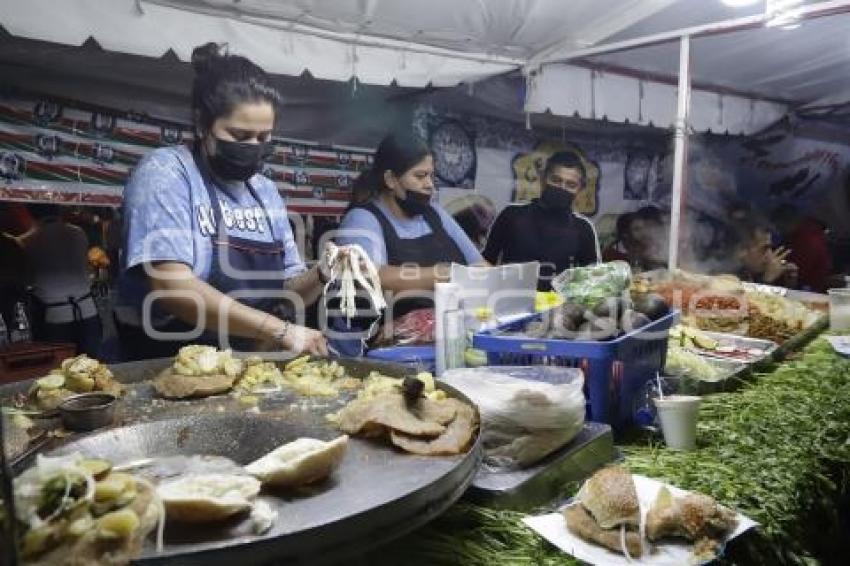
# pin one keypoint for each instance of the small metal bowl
(88, 411)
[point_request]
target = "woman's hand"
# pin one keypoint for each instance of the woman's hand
(281, 334)
(332, 256)
(777, 266)
(301, 339)
(327, 259)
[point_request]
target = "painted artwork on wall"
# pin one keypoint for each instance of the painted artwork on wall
(454, 154)
(639, 167)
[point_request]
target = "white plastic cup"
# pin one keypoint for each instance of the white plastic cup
(678, 414)
(839, 309)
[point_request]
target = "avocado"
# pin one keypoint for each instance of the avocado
(597, 330)
(561, 333)
(537, 328)
(572, 313)
(584, 331)
(611, 308)
(605, 309)
(632, 320)
(651, 305)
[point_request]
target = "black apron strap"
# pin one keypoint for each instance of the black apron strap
(426, 251)
(391, 238)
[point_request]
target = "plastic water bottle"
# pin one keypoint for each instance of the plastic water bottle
(4, 333)
(21, 330)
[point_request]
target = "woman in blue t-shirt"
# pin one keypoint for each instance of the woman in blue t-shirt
(408, 236)
(208, 246)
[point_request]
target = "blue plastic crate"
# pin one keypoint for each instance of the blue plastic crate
(615, 370)
(420, 358)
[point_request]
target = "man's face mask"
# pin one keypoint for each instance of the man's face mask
(238, 161)
(557, 198)
(560, 188)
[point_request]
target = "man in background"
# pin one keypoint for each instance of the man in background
(758, 261)
(639, 240)
(547, 230)
(806, 239)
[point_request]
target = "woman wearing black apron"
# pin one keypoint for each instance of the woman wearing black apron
(208, 245)
(407, 235)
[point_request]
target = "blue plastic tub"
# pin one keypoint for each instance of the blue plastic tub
(616, 371)
(421, 358)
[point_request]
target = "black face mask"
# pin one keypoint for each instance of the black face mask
(238, 161)
(414, 202)
(556, 198)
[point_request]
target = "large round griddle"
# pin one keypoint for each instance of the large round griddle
(379, 493)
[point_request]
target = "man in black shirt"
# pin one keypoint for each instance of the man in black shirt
(547, 230)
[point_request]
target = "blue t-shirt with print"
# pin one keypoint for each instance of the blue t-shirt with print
(359, 226)
(168, 217)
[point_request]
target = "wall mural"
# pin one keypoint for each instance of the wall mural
(792, 173)
(642, 175)
(454, 154)
(633, 170)
(508, 158)
(69, 153)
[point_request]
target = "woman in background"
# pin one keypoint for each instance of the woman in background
(410, 238)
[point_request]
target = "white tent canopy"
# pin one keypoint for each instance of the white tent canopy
(799, 65)
(568, 90)
(415, 43)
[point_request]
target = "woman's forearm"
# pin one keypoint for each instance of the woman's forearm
(189, 298)
(307, 285)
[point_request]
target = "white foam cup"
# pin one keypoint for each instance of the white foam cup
(678, 414)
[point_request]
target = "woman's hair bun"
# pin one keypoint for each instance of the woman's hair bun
(204, 57)
(223, 81)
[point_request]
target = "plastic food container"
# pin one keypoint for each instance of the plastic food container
(839, 309)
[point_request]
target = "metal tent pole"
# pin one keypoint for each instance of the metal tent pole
(680, 156)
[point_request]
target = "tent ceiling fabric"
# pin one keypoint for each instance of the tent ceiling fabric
(803, 64)
(327, 112)
(415, 43)
(568, 90)
(412, 42)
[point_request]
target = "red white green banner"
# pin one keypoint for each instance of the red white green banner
(63, 152)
